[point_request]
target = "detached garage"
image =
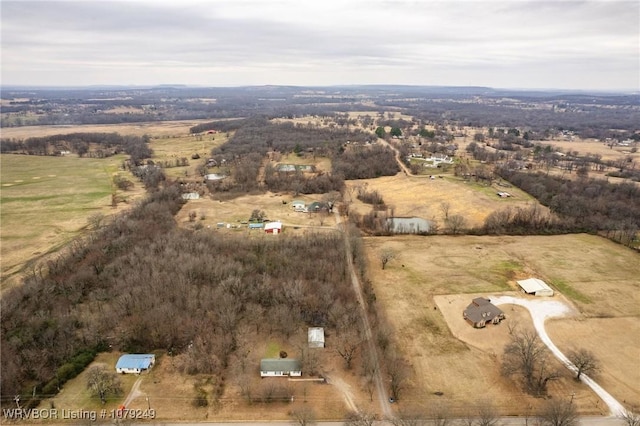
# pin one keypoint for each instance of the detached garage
(135, 363)
(535, 287)
(316, 337)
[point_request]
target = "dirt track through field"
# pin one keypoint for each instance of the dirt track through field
(382, 392)
(540, 310)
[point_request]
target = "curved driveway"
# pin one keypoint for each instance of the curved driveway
(540, 310)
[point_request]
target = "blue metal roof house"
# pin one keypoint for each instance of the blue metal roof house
(135, 363)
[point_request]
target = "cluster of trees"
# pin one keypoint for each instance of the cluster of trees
(301, 183)
(140, 284)
(587, 205)
(365, 162)
(92, 144)
(246, 152)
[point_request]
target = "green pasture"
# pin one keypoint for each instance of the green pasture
(45, 201)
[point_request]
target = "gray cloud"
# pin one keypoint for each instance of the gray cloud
(224, 42)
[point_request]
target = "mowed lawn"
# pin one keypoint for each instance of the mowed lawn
(46, 201)
(599, 278)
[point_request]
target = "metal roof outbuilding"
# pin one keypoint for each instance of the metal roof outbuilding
(535, 287)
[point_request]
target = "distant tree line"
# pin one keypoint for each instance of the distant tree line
(140, 284)
(581, 205)
(83, 144)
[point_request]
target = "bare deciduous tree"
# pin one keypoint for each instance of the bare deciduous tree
(558, 413)
(360, 419)
(445, 208)
(440, 415)
(455, 223)
(408, 418)
(347, 346)
(386, 255)
(584, 360)
(630, 418)
(303, 416)
(398, 372)
(103, 383)
(525, 356)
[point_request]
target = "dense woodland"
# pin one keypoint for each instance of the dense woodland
(352, 157)
(140, 284)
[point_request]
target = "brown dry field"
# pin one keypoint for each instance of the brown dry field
(592, 146)
(239, 209)
(423, 197)
(424, 290)
(152, 128)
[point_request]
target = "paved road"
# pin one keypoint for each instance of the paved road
(505, 421)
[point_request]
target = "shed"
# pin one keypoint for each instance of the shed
(214, 176)
(135, 363)
(535, 287)
(256, 225)
(482, 312)
(280, 367)
(298, 205)
(190, 196)
(316, 337)
(273, 227)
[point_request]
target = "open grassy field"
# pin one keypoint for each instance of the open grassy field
(46, 201)
(174, 147)
(152, 128)
(424, 290)
(423, 197)
(210, 212)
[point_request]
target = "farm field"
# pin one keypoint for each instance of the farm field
(171, 148)
(210, 212)
(424, 290)
(154, 129)
(592, 146)
(46, 201)
(423, 197)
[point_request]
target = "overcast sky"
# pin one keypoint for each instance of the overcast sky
(591, 45)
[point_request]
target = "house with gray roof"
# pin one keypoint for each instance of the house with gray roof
(280, 367)
(482, 312)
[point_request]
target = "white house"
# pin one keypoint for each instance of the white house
(135, 363)
(280, 367)
(316, 337)
(535, 287)
(298, 205)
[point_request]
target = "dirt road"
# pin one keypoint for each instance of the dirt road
(371, 346)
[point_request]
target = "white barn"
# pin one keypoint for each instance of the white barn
(316, 337)
(535, 287)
